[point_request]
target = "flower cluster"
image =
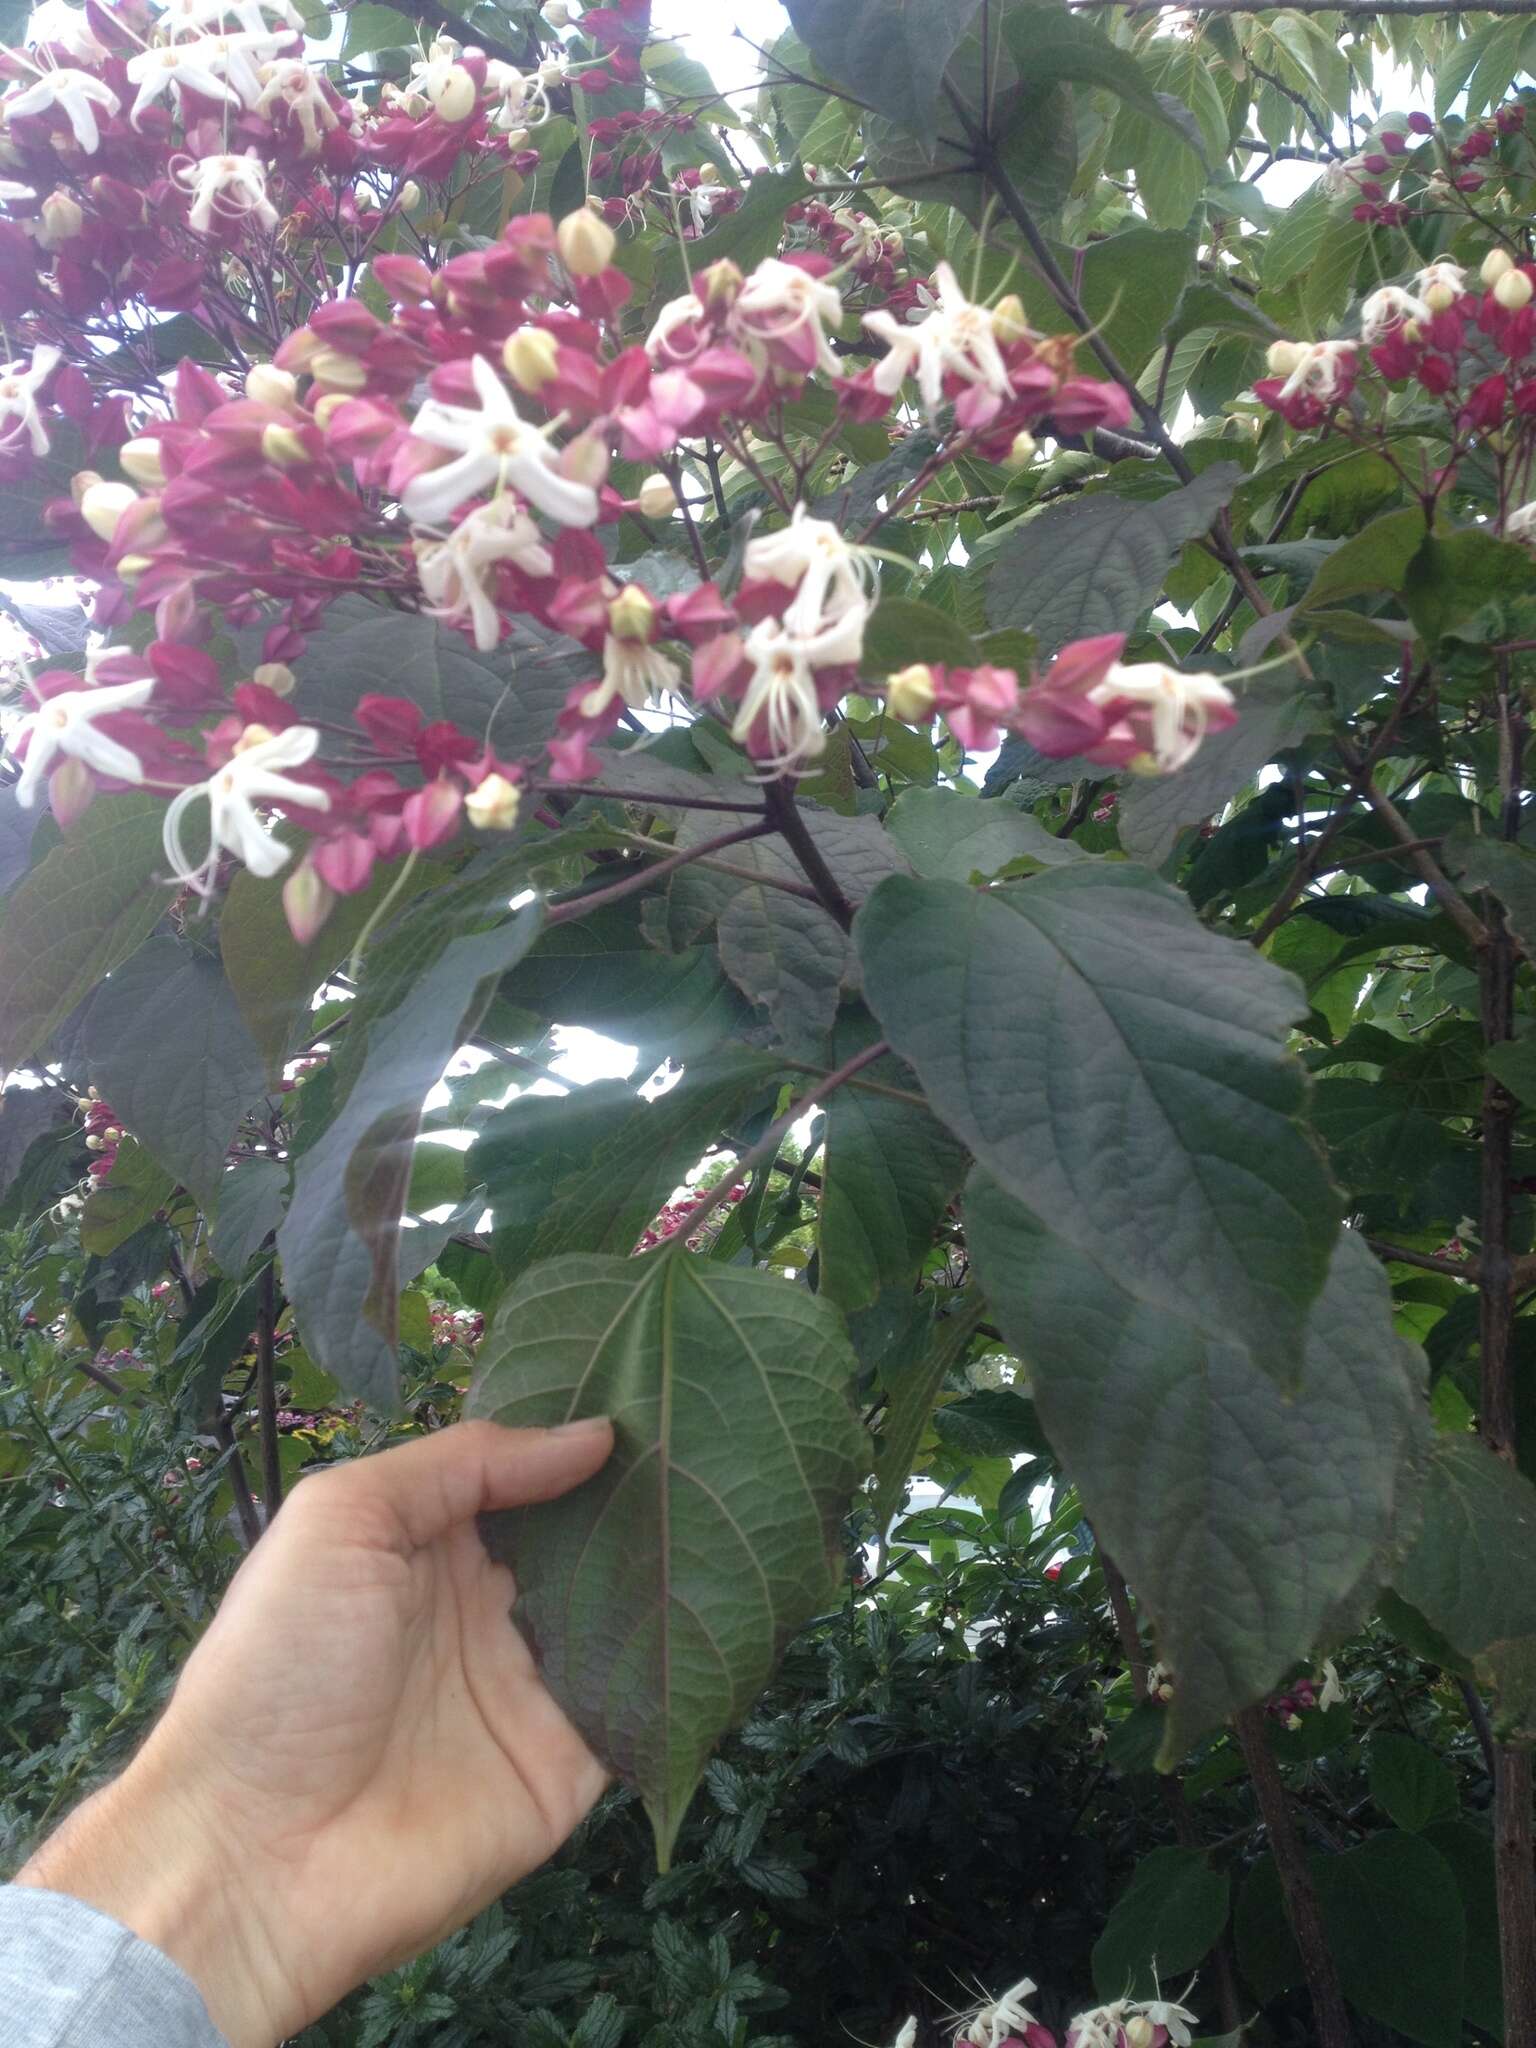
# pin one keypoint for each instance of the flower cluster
(1307, 1695)
(668, 1221)
(447, 447)
(1007, 2022)
(103, 1134)
(1428, 179)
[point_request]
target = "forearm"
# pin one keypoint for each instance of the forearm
(139, 1852)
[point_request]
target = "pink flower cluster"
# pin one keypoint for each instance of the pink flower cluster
(103, 1135)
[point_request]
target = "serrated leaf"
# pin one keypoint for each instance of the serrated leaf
(1250, 1521)
(86, 907)
(340, 1238)
(166, 1045)
(1094, 564)
(1165, 1922)
(1121, 1071)
(658, 1596)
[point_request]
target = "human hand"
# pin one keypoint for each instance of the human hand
(359, 1755)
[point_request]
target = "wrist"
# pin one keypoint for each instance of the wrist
(142, 1852)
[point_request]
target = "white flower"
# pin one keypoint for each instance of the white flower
(685, 312)
(250, 777)
(1339, 176)
(1386, 310)
(1321, 370)
(1440, 285)
(219, 67)
(832, 573)
(524, 103)
(496, 448)
(782, 691)
(1333, 1693)
(458, 573)
(18, 399)
(954, 338)
(13, 194)
(1181, 705)
(907, 2037)
(633, 670)
(56, 25)
(1163, 2012)
(1099, 2028)
(211, 14)
(233, 187)
(290, 83)
(1160, 1683)
(1006, 2015)
(65, 725)
(432, 72)
(76, 95)
(779, 299)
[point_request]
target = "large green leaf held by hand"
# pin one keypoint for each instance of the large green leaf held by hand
(1250, 1521)
(658, 1596)
(1121, 1071)
(421, 997)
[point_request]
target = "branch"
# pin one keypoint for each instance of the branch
(656, 800)
(1428, 1262)
(645, 878)
(434, 15)
(785, 813)
(1301, 1908)
(1429, 870)
(266, 1392)
(766, 1150)
(240, 1485)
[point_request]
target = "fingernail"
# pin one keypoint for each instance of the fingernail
(586, 1425)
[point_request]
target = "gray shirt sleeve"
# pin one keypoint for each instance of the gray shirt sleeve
(72, 1978)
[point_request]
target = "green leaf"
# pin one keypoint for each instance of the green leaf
(1410, 1784)
(891, 54)
(252, 1199)
(1267, 1953)
(1167, 1920)
(26, 1115)
(997, 1422)
(903, 631)
(598, 972)
(1130, 283)
(1121, 1071)
(1393, 1917)
(890, 1171)
(1052, 47)
(912, 1386)
(952, 835)
(274, 978)
(28, 551)
(658, 1595)
(422, 993)
(1094, 564)
(1251, 1521)
(1376, 559)
(1203, 305)
(1154, 809)
(129, 1196)
(86, 907)
(1514, 1062)
(370, 27)
(1479, 861)
(1472, 1571)
(1469, 1852)
(167, 1046)
(1451, 579)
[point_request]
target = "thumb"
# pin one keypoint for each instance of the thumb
(430, 1486)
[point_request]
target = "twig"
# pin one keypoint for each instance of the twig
(1477, 1714)
(785, 813)
(1428, 869)
(266, 1391)
(767, 1147)
(647, 877)
(245, 1506)
(1301, 1907)
(1428, 1262)
(657, 801)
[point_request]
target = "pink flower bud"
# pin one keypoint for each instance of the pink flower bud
(431, 814)
(1421, 124)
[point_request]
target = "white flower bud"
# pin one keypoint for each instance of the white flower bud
(284, 447)
(337, 370)
(409, 196)
(529, 354)
(1513, 290)
(139, 460)
(455, 95)
(586, 243)
(269, 385)
(557, 13)
(910, 695)
(104, 504)
(492, 805)
(62, 218)
(1023, 450)
(1139, 2032)
(1440, 296)
(657, 499)
(1495, 265)
(1284, 356)
(275, 676)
